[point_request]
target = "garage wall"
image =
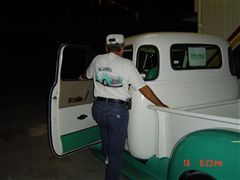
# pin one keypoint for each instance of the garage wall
(218, 17)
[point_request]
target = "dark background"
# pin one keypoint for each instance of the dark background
(32, 33)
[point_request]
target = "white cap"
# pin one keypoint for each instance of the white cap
(114, 39)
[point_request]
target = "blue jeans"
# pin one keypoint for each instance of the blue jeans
(112, 119)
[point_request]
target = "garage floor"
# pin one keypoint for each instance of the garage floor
(24, 148)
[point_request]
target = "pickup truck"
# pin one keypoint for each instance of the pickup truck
(197, 138)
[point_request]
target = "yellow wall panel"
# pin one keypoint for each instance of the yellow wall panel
(218, 17)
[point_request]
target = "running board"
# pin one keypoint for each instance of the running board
(134, 169)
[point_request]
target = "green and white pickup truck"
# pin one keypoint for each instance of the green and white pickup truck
(197, 138)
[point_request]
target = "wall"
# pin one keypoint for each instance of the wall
(218, 17)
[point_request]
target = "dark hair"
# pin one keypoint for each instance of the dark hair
(114, 48)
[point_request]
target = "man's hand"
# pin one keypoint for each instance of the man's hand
(149, 94)
(83, 77)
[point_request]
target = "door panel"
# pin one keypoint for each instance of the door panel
(71, 125)
(73, 93)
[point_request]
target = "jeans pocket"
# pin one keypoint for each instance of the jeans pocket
(118, 120)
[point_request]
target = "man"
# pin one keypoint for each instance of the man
(112, 76)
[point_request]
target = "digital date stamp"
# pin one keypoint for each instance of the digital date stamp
(210, 163)
(204, 163)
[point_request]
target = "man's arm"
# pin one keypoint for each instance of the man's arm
(150, 95)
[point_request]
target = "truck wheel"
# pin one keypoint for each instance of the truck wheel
(195, 175)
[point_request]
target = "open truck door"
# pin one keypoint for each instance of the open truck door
(70, 122)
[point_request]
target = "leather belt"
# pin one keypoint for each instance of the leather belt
(111, 100)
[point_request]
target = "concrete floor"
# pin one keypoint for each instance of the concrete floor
(24, 148)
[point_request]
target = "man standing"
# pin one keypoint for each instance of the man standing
(112, 76)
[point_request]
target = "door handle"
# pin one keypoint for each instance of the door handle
(82, 117)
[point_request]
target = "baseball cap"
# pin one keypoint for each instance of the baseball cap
(115, 39)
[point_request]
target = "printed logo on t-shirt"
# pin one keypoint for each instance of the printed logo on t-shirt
(106, 77)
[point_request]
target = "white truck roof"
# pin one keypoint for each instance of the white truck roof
(156, 37)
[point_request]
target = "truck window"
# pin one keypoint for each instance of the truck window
(128, 52)
(195, 56)
(148, 62)
(75, 62)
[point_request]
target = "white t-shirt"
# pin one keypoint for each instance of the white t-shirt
(112, 76)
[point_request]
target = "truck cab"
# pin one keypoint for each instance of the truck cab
(185, 70)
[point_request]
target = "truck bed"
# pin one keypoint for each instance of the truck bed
(174, 124)
(229, 109)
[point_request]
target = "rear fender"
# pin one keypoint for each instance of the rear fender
(213, 154)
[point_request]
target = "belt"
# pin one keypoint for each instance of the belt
(118, 101)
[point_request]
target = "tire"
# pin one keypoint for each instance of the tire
(195, 175)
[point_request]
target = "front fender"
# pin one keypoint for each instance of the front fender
(207, 153)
